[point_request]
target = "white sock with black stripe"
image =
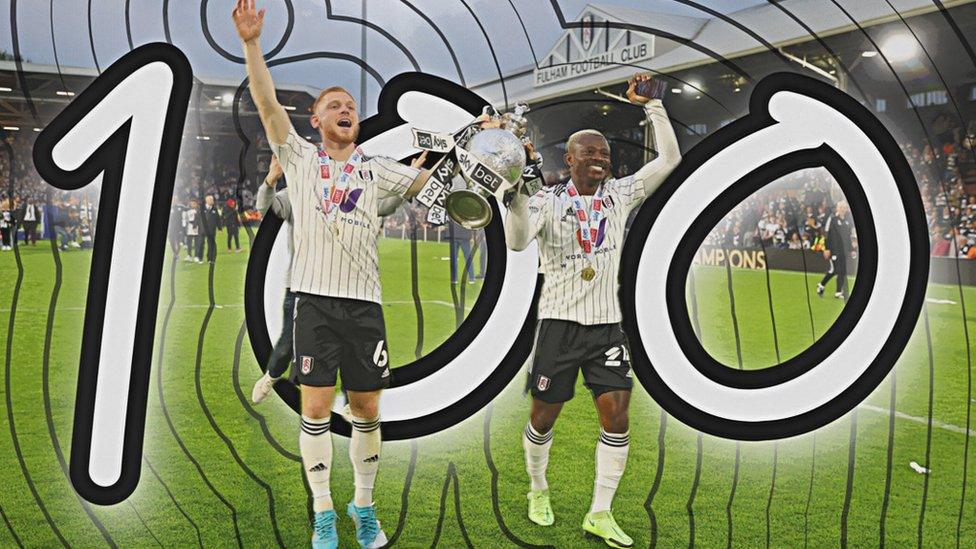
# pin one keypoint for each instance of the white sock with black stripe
(536, 446)
(315, 442)
(364, 452)
(611, 459)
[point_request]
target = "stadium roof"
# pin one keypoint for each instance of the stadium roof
(52, 87)
(707, 30)
(711, 32)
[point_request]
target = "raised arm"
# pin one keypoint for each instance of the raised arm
(653, 174)
(248, 22)
(524, 217)
(267, 198)
(266, 191)
(519, 231)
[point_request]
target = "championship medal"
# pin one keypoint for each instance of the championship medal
(334, 193)
(588, 224)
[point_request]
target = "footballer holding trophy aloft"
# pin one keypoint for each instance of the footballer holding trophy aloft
(579, 227)
(334, 194)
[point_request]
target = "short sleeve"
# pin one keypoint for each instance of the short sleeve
(540, 204)
(526, 218)
(294, 155)
(630, 191)
(281, 205)
(391, 177)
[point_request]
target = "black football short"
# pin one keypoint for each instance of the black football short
(335, 335)
(563, 348)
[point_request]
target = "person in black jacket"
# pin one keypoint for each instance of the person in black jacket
(838, 229)
(29, 215)
(209, 223)
(232, 224)
(64, 221)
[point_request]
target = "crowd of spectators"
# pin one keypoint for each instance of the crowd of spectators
(946, 174)
(789, 213)
(32, 210)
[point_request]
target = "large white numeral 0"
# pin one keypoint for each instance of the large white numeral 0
(127, 126)
(467, 371)
(795, 122)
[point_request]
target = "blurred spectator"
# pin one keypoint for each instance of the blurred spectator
(209, 223)
(29, 215)
(231, 223)
(191, 229)
(7, 225)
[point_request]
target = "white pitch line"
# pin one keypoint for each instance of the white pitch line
(220, 306)
(922, 420)
(431, 301)
(901, 415)
(59, 309)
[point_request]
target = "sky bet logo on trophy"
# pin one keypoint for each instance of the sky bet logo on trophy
(750, 247)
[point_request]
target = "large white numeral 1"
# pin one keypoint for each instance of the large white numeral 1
(127, 126)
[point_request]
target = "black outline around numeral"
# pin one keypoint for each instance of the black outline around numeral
(386, 119)
(110, 158)
(757, 119)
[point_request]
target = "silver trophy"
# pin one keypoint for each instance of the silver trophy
(491, 162)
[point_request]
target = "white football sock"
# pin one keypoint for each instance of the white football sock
(611, 459)
(536, 446)
(315, 442)
(364, 452)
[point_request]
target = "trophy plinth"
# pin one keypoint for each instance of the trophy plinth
(468, 208)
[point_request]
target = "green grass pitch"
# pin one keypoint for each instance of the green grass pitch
(236, 472)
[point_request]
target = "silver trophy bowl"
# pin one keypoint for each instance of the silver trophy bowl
(504, 153)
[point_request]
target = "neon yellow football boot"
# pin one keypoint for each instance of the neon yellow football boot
(602, 525)
(540, 510)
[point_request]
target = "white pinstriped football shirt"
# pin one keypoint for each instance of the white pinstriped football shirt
(549, 218)
(348, 265)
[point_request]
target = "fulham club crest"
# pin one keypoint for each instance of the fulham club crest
(307, 362)
(543, 383)
(586, 32)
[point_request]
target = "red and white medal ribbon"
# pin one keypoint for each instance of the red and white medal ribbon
(332, 197)
(589, 224)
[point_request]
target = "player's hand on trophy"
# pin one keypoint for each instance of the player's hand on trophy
(274, 172)
(418, 163)
(486, 121)
(530, 153)
(248, 20)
